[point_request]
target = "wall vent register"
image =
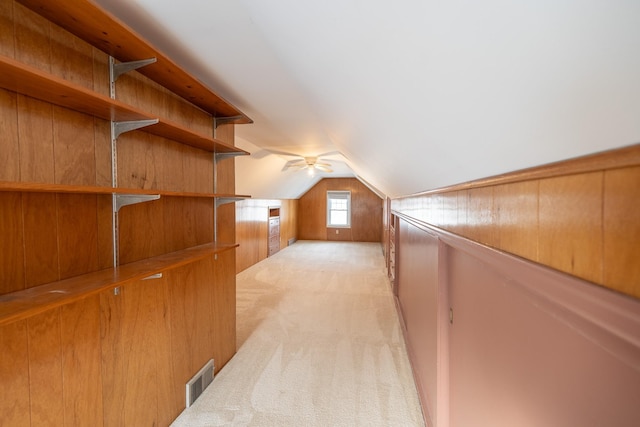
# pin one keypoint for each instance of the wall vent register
(199, 383)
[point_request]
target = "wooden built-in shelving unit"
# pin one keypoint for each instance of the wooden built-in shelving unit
(34, 83)
(29, 302)
(89, 213)
(107, 33)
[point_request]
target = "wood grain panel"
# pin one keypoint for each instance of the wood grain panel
(516, 207)
(81, 371)
(74, 147)
(102, 138)
(12, 243)
(188, 222)
(101, 79)
(77, 234)
(339, 234)
(226, 217)
(14, 371)
(224, 308)
(570, 237)
(113, 356)
(128, 362)
(36, 140)
(288, 221)
(9, 143)
(225, 168)
(182, 294)
(481, 219)
(45, 369)
(366, 212)
(203, 274)
(622, 230)
(40, 238)
(105, 231)
(140, 163)
(32, 38)
(168, 408)
(141, 233)
(72, 59)
(312, 222)
(7, 35)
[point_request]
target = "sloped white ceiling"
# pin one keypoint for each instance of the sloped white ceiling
(414, 94)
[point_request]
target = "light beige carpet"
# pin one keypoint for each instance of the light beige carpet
(319, 344)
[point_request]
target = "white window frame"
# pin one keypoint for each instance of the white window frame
(343, 195)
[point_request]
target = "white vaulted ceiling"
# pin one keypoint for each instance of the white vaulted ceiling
(413, 94)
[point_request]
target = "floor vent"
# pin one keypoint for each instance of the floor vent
(199, 382)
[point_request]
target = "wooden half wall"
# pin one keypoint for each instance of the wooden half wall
(520, 294)
(366, 212)
(252, 222)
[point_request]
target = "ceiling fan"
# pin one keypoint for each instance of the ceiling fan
(311, 163)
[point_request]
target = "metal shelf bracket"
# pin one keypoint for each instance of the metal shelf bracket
(132, 199)
(224, 200)
(116, 69)
(121, 127)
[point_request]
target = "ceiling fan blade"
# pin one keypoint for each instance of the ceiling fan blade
(296, 163)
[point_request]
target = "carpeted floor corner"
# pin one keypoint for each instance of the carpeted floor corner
(319, 344)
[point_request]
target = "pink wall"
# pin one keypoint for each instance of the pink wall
(528, 346)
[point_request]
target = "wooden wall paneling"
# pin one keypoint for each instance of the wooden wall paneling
(105, 231)
(9, 143)
(14, 371)
(225, 168)
(81, 368)
(12, 243)
(129, 351)
(366, 212)
(140, 160)
(226, 223)
(7, 35)
(224, 308)
(450, 211)
(312, 208)
(182, 301)
(570, 237)
(204, 278)
(516, 207)
(174, 174)
(102, 138)
(35, 126)
(288, 221)
(101, 79)
(481, 216)
(339, 234)
(32, 38)
(622, 230)
(113, 356)
(74, 147)
(40, 238)
(198, 170)
(72, 58)
(462, 226)
(141, 233)
(170, 403)
(45, 369)
(77, 234)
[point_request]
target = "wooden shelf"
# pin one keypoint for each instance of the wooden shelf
(107, 33)
(26, 80)
(35, 187)
(29, 302)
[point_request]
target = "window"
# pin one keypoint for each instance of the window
(339, 209)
